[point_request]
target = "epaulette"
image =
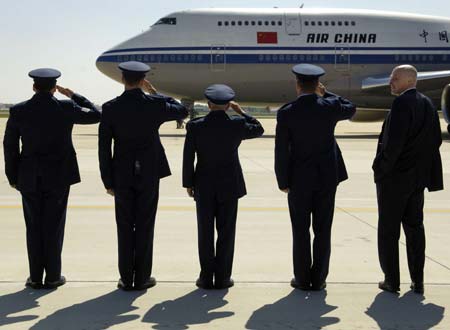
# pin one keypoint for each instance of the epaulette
(196, 120)
(286, 106)
(110, 102)
(236, 117)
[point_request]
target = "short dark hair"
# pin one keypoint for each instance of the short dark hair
(44, 85)
(132, 78)
(308, 84)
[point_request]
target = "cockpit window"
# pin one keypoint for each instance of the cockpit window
(167, 21)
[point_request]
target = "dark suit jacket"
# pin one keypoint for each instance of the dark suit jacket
(132, 120)
(215, 140)
(44, 125)
(408, 146)
(307, 155)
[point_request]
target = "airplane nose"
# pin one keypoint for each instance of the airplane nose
(107, 64)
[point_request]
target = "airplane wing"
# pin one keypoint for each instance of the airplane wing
(426, 81)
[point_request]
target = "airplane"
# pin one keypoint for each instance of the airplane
(253, 50)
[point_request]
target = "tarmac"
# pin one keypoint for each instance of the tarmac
(261, 298)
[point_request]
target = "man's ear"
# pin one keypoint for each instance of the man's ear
(298, 88)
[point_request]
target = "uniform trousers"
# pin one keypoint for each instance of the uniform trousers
(216, 261)
(45, 218)
(135, 217)
(318, 205)
(396, 207)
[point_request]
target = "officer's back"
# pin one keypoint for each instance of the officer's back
(134, 119)
(45, 126)
(216, 138)
(308, 123)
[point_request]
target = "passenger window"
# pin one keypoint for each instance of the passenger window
(246, 23)
(226, 23)
(340, 23)
(326, 23)
(273, 23)
(346, 23)
(259, 22)
(233, 23)
(239, 23)
(333, 23)
(266, 23)
(280, 23)
(319, 23)
(253, 23)
(353, 23)
(219, 23)
(313, 23)
(306, 23)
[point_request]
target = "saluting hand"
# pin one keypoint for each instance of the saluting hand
(237, 108)
(321, 90)
(190, 192)
(148, 87)
(110, 192)
(65, 91)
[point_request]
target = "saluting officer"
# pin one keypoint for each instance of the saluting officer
(132, 173)
(217, 181)
(44, 168)
(407, 162)
(309, 166)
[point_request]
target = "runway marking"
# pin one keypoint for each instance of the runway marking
(169, 208)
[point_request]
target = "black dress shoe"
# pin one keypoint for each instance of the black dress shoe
(220, 285)
(319, 287)
(55, 284)
(417, 287)
(386, 286)
(150, 282)
(301, 286)
(34, 285)
(204, 284)
(125, 287)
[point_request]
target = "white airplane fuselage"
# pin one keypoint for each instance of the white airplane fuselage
(253, 51)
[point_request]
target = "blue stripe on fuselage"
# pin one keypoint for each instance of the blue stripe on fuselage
(186, 58)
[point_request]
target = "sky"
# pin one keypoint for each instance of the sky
(70, 35)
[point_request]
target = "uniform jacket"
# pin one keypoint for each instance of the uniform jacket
(306, 152)
(214, 140)
(44, 125)
(408, 146)
(132, 121)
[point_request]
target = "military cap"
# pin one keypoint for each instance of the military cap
(308, 71)
(44, 74)
(134, 67)
(219, 94)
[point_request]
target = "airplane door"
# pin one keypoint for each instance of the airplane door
(342, 58)
(293, 24)
(218, 58)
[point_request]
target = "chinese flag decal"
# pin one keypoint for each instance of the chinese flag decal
(267, 37)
